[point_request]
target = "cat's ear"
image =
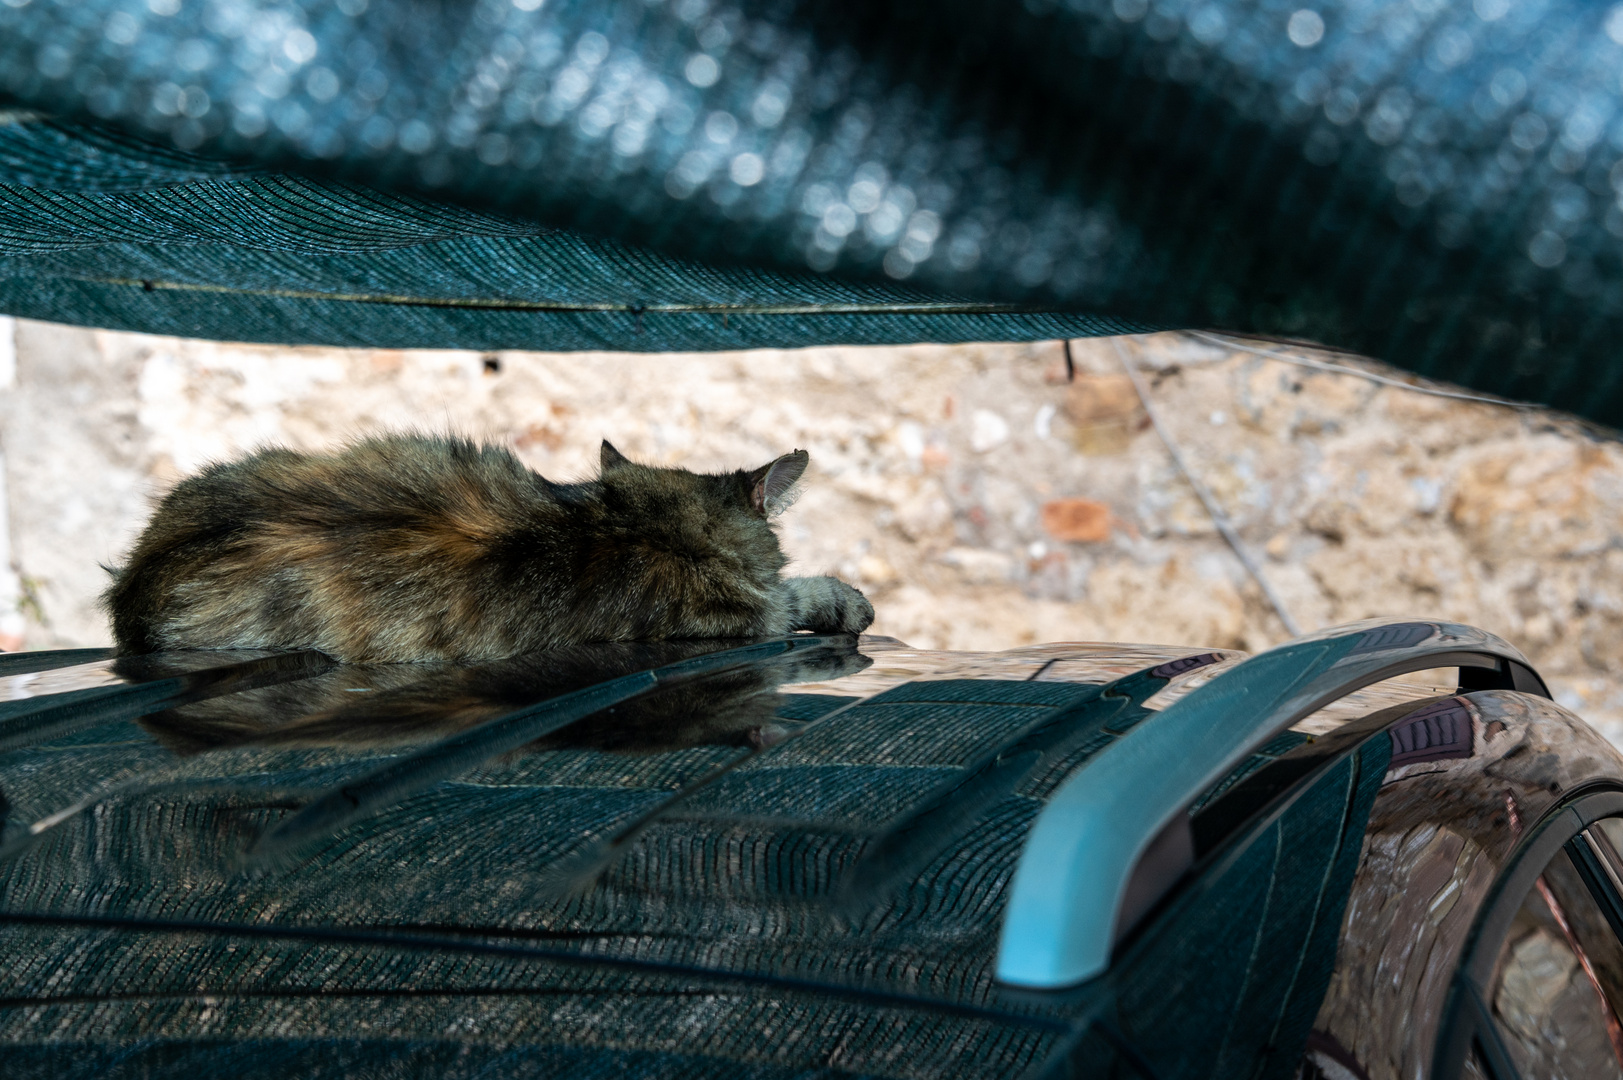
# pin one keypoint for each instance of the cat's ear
(770, 484)
(610, 458)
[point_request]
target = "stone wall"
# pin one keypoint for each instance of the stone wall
(981, 499)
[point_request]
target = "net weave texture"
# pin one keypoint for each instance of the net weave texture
(740, 877)
(1435, 184)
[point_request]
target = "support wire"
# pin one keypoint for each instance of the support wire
(1219, 518)
(1345, 369)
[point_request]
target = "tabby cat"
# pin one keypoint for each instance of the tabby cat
(420, 548)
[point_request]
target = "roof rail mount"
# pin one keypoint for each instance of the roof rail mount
(1080, 882)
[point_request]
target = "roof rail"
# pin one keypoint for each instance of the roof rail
(1073, 888)
(26, 663)
(30, 721)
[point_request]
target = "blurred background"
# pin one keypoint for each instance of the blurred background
(983, 495)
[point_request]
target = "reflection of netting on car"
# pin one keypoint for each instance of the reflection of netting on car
(829, 900)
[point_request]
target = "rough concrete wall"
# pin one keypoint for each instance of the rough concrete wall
(981, 499)
(76, 476)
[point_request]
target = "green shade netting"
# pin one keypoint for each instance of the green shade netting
(1432, 184)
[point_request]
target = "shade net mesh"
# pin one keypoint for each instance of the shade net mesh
(491, 923)
(1432, 184)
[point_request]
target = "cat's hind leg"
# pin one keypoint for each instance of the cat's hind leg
(826, 605)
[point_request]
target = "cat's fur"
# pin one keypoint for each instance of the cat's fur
(419, 548)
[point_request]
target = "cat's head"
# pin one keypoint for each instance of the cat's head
(761, 493)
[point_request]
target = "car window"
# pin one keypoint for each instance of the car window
(1558, 981)
(1606, 837)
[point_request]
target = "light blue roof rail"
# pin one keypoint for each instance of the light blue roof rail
(1075, 887)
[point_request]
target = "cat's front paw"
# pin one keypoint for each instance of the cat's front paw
(826, 605)
(856, 613)
(844, 609)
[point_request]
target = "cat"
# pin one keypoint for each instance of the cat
(417, 548)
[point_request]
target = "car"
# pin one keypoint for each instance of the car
(811, 856)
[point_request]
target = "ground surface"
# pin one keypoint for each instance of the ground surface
(979, 498)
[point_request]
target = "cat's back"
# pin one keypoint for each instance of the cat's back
(399, 478)
(363, 552)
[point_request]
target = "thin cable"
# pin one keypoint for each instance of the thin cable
(1343, 369)
(1218, 517)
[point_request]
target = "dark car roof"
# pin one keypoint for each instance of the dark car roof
(771, 854)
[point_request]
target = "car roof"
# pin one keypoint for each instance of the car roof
(679, 850)
(822, 818)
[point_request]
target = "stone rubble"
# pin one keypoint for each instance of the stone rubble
(981, 499)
